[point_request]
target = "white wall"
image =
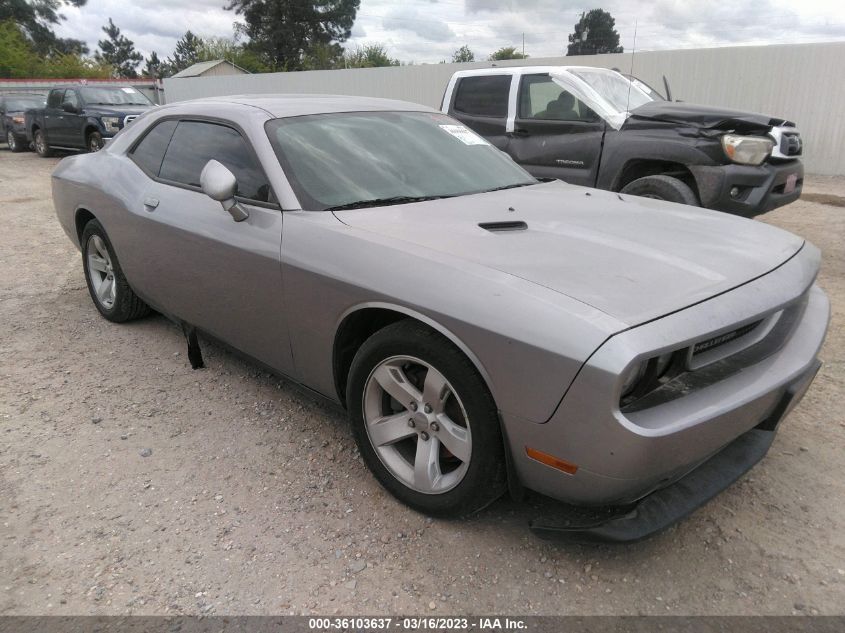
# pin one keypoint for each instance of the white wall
(804, 83)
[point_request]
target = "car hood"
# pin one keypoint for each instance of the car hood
(634, 259)
(704, 116)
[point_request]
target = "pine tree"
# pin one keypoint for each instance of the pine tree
(119, 52)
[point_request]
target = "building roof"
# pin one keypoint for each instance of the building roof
(202, 67)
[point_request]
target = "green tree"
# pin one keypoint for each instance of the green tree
(36, 18)
(463, 54)
(369, 56)
(213, 48)
(118, 51)
(186, 53)
(594, 34)
(154, 67)
(283, 33)
(19, 58)
(323, 57)
(506, 52)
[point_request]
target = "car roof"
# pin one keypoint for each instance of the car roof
(526, 70)
(287, 105)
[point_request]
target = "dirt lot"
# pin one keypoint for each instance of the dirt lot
(255, 501)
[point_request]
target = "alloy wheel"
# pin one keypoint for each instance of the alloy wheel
(11, 140)
(100, 271)
(417, 424)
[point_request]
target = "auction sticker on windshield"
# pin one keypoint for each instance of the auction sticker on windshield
(463, 134)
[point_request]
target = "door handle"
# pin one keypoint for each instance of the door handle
(150, 204)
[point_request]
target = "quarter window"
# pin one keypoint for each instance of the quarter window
(194, 143)
(149, 153)
(483, 96)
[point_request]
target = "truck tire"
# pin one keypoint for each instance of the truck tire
(94, 141)
(14, 142)
(41, 146)
(662, 188)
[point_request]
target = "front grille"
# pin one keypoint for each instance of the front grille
(727, 337)
(790, 144)
(128, 119)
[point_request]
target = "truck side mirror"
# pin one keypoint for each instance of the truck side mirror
(220, 184)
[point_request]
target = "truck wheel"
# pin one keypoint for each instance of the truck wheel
(424, 421)
(41, 145)
(14, 144)
(662, 188)
(94, 142)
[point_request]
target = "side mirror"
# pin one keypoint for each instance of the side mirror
(68, 107)
(220, 184)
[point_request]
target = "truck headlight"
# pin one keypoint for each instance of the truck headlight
(747, 150)
(111, 123)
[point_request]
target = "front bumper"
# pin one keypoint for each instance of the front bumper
(761, 188)
(622, 457)
(668, 505)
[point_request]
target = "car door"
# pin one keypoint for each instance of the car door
(555, 134)
(481, 103)
(2, 119)
(53, 117)
(199, 264)
(71, 123)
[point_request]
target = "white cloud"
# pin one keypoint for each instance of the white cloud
(431, 30)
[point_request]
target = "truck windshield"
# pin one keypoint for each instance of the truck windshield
(113, 96)
(621, 94)
(19, 104)
(364, 159)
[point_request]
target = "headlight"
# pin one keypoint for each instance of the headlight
(111, 123)
(747, 150)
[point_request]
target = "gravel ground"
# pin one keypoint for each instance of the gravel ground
(131, 484)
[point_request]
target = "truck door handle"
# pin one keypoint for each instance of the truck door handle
(151, 203)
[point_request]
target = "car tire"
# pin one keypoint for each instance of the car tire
(41, 145)
(14, 143)
(110, 292)
(450, 462)
(662, 188)
(94, 142)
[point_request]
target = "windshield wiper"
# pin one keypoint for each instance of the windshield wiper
(383, 202)
(513, 186)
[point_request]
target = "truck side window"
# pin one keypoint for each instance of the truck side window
(149, 153)
(55, 99)
(71, 98)
(486, 95)
(194, 143)
(542, 98)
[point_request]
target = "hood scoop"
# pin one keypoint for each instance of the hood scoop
(501, 227)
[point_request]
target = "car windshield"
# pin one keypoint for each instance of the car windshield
(360, 159)
(19, 104)
(114, 96)
(621, 94)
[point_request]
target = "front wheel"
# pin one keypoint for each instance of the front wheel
(662, 188)
(425, 422)
(107, 284)
(95, 142)
(12, 141)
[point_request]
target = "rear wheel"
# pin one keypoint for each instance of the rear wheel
(94, 142)
(41, 145)
(14, 142)
(662, 188)
(425, 423)
(107, 284)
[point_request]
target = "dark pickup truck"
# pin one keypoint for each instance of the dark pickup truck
(83, 116)
(599, 128)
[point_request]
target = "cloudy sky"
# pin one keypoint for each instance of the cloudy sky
(430, 30)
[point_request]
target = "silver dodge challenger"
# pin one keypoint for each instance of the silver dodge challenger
(484, 330)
